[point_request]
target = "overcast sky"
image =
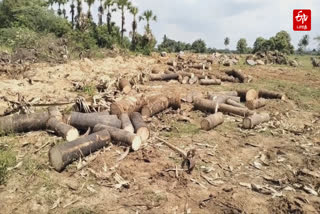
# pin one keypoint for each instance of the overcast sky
(213, 20)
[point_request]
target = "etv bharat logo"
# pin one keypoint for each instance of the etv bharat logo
(301, 20)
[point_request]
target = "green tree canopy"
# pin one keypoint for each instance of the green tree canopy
(226, 41)
(199, 46)
(242, 46)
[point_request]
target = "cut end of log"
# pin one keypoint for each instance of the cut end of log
(247, 123)
(55, 157)
(136, 143)
(72, 135)
(205, 124)
(126, 89)
(144, 133)
(146, 112)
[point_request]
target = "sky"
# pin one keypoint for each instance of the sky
(213, 20)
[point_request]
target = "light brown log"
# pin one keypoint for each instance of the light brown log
(63, 154)
(126, 123)
(185, 80)
(125, 86)
(251, 95)
(193, 80)
(255, 104)
(174, 99)
(223, 98)
(234, 103)
(155, 106)
(226, 78)
(199, 66)
(212, 121)
(238, 74)
(191, 96)
(225, 108)
(85, 120)
(271, 95)
(256, 119)
(228, 93)
(205, 105)
(164, 77)
(210, 82)
(24, 122)
(62, 129)
(156, 70)
(172, 63)
(120, 135)
(127, 105)
(140, 127)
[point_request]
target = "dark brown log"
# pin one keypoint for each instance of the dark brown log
(164, 77)
(199, 66)
(251, 95)
(271, 95)
(256, 119)
(126, 123)
(212, 121)
(255, 104)
(191, 96)
(140, 127)
(226, 78)
(238, 74)
(62, 129)
(171, 69)
(174, 100)
(125, 86)
(63, 154)
(85, 120)
(210, 82)
(127, 105)
(120, 135)
(234, 103)
(155, 106)
(24, 122)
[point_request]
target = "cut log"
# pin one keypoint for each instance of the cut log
(174, 100)
(156, 70)
(228, 93)
(255, 104)
(127, 105)
(226, 78)
(185, 80)
(238, 74)
(251, 95)
(234, 103)
(212, 121)
(140, 127)
(223, 98)
(120, 135)
(126, 123)
(229, 109)
(199, 66)
(164, 77)
(63, 154)
(205, 105)
(172, 63)
(125, 86)
(271, 95)
(191, 96)
(256, 119)
(155, 106)
(85, 120)
(210, 82)
(24, 122)
(62, 129)
(193, 80)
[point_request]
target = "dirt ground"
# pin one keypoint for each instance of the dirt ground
(274, 168)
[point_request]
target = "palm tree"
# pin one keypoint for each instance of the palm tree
(108, 5)
(79, 11)
(122, 5)
(72, 11)
(148, 16)
(134, 11)
(51, 2)
(90, 3)
(101, 11)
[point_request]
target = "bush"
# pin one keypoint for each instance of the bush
(18, 37)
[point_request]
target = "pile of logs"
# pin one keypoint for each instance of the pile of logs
(240, 103)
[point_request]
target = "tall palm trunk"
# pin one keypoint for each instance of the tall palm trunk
(72, 13)
(79, 11)
(59, 9)
(122, 23)
(109, 21)
(100, 13)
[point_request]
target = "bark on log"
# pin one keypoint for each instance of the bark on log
(223, 98)
(226, 78)
(155, 107)
(62, 129)
(238, 74)
(228, 93)
(210, 82)
(251, 95)
(164, 77)
(199, 66)
(125, 86)
(225, 108)
(126, 123)
(256, 119)
(120, 135)
(234, 103)
(212, 121)
(85, 120)
(271, 95)
(127, 105)
(205, 105)
(24, 122)
(140, 127)
(191, 96)
(193, 80)
(174, 100)
(63, 154)
(255, 104)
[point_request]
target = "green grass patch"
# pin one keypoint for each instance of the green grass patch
(81, 210)
(179, 129)
(90, 90)
(7, 159)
